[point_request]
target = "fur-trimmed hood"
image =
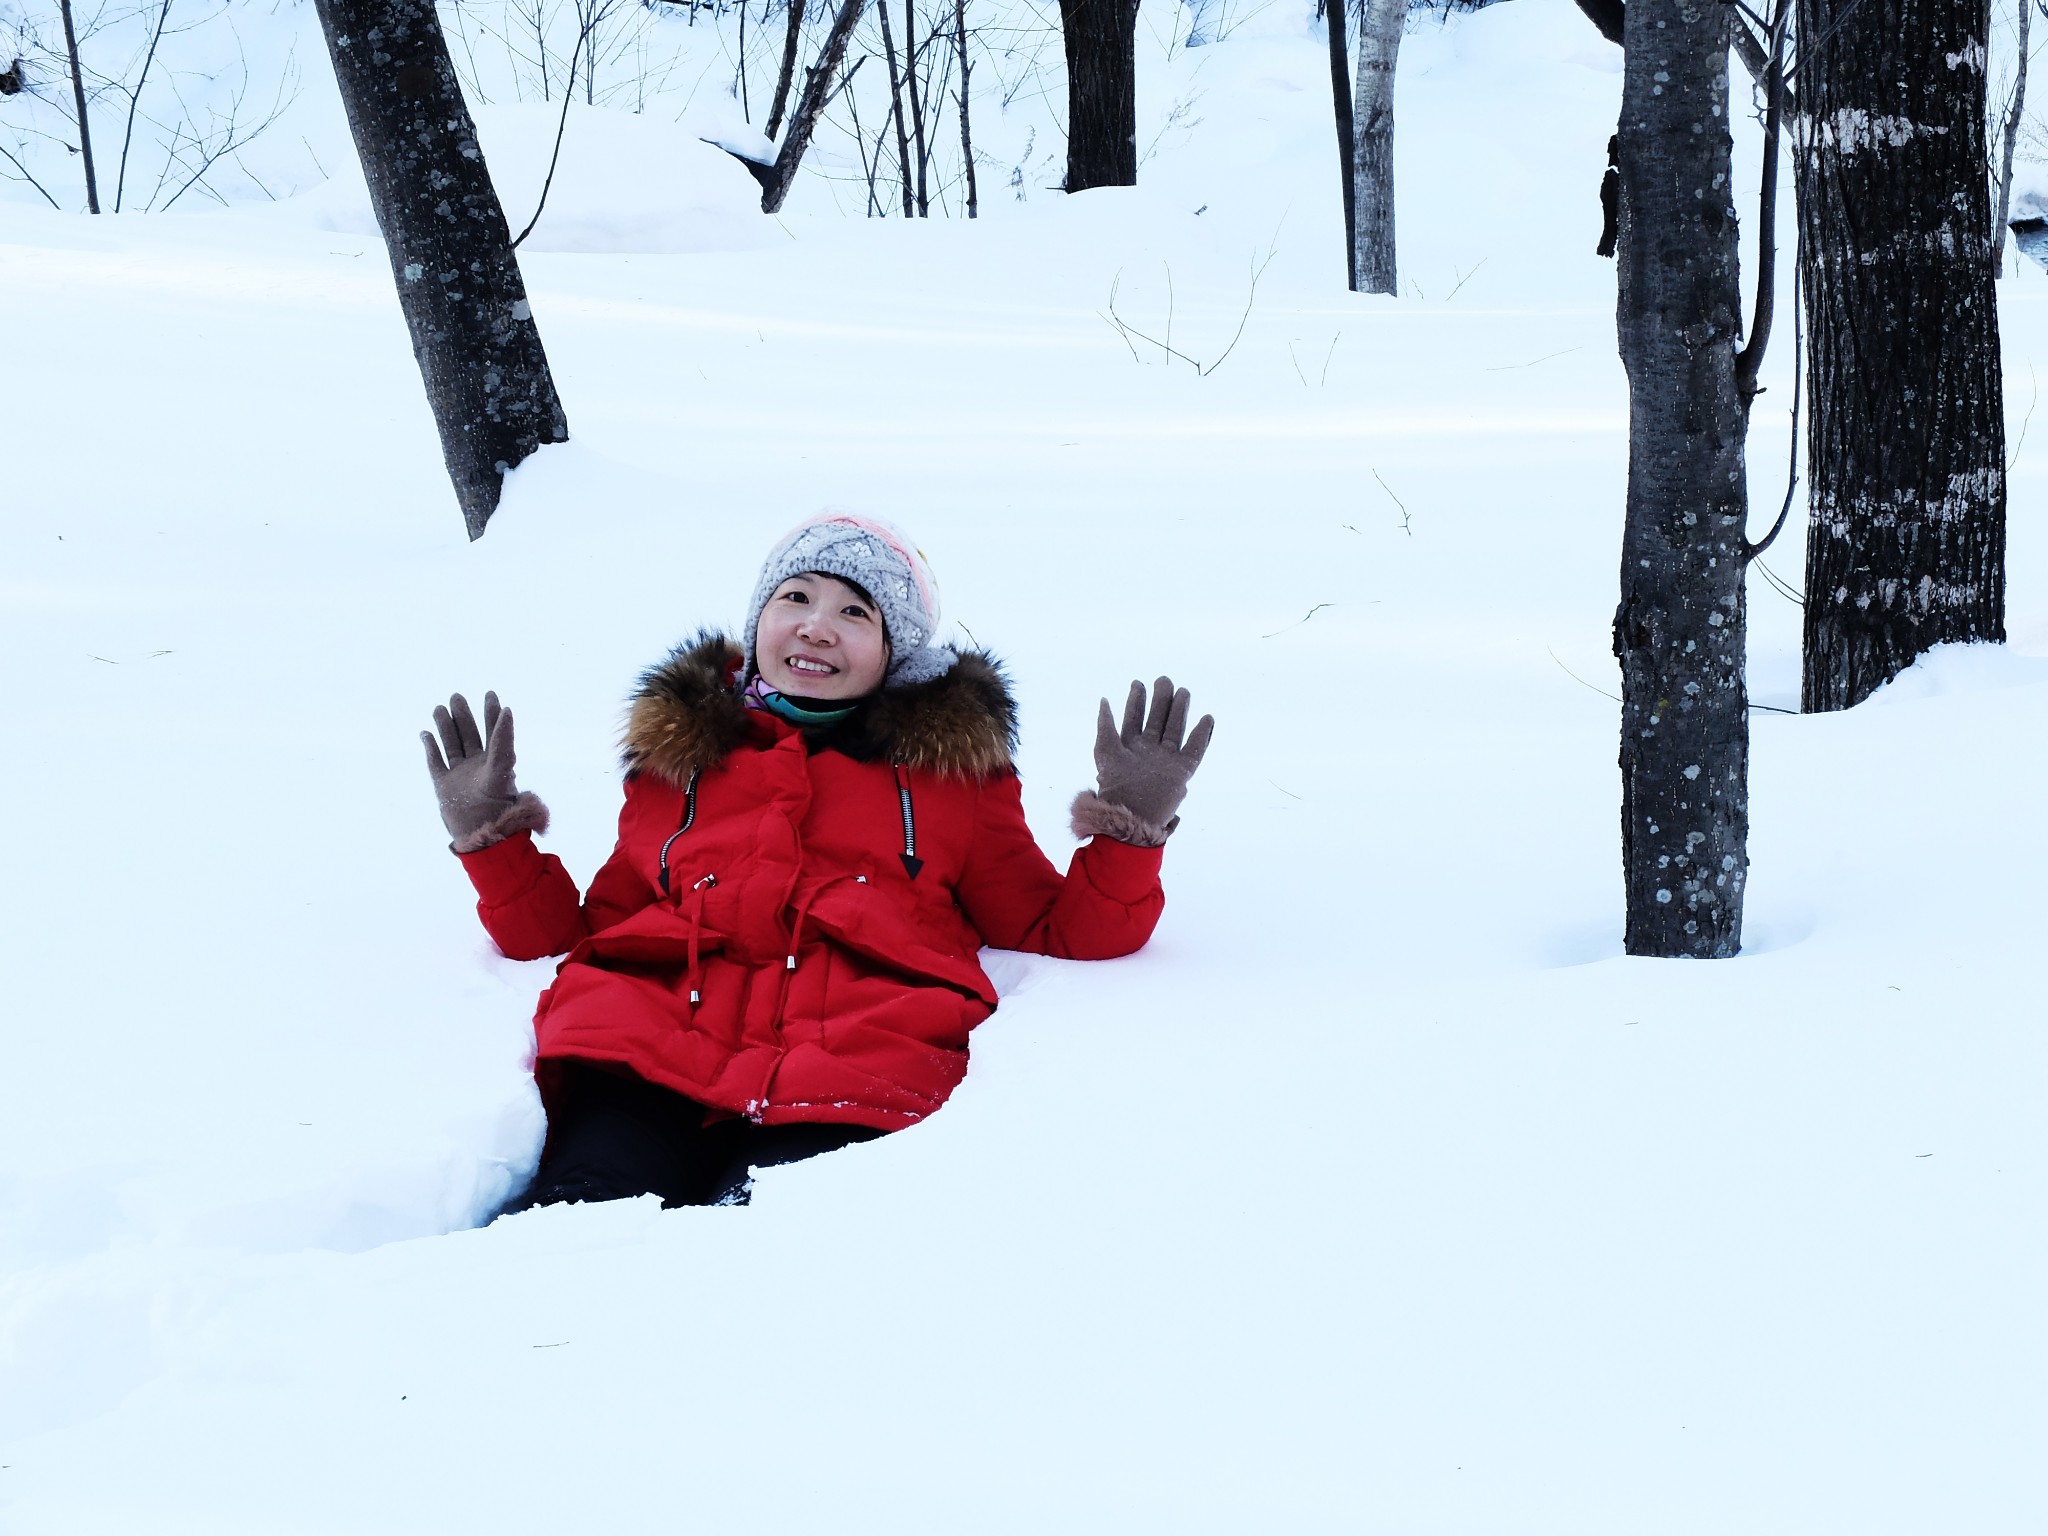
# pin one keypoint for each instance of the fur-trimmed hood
(687, 715)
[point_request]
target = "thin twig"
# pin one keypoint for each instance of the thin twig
(2032, 401)
(561, 124)
(1169, 304)
(1465, 279)
(1781, 586)
(1319, 607)
(1798, 375)
(134, 96)
(1546, 357)
(1397, 502)
(25, 176)
(1116, 324)
(1568, 672)
(1257, 273)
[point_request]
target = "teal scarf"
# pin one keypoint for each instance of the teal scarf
(797, 711)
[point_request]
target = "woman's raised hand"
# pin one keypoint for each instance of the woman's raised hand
(1145, 766)
(480, 804)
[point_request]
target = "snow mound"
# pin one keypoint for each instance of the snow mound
(624, 184)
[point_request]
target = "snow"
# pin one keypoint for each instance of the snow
(1379, 1193)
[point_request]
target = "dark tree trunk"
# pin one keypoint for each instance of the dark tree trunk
(1679, 628)
(1340, 89)
(819, 84)
(92, 185)
(791, 42)
(917, 95)
(1905, 546)
(465, 304)
(896, 110)
(1101, 39)
(966, 95)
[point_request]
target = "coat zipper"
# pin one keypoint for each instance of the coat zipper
(911, 861)
(689, 816)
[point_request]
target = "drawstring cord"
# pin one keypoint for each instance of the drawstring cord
(796, 941)
(696, 972)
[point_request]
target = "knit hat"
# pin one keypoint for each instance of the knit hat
(880, 559)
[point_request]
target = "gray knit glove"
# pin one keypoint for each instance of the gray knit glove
(1142, 771)
(480, 805)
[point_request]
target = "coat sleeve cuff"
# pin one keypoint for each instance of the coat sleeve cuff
(1126, 873)
(525, 814)
(505, 870)
(1093, 816)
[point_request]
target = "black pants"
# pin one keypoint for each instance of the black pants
(612, 1136)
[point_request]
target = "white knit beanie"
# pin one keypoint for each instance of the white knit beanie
(887, 565)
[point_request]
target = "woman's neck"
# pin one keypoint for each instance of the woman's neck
(797, 709)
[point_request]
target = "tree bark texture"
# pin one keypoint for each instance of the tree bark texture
(1679, 630)
(1372, 163)
(1905, 544)
(1101, 38)
(1338, 22)
(473, 334)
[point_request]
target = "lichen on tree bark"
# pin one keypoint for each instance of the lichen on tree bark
(1680, 627)
(459, 286)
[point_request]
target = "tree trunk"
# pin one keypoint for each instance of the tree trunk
(966, 95)
(1340, 91)
(473, 335)
(776, 179)
(2013, 116)
(792, 41)
(1679, 629)
(1372, 165)
(92, 184)
(896, 110)
(1101, 38)
(1905, 545)
(917, 94)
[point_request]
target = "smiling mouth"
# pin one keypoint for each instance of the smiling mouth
(809, 665)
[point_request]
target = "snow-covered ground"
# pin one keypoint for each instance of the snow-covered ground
(1379, 1194)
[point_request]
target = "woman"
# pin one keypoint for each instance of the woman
(822, 828)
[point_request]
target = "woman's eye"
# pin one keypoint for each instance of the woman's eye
(854, 611)
(794, 597)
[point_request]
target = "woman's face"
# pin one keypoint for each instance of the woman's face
(820, 639)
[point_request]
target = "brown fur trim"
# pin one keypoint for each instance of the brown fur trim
(526, 814)
(687, 715)
(1093, 816)
(962, 725)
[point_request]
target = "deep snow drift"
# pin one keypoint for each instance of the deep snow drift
(1379, 1193)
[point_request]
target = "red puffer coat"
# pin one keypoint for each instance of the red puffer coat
(788, 928)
